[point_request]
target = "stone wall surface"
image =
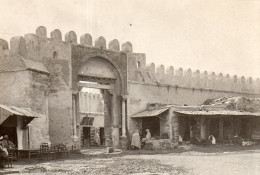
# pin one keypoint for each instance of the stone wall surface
(14, 88)
(39, 90)
(151, 74)
(142, 94)
(91, 103)
(23, 89)
(151, 84)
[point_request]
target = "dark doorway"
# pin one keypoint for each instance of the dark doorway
(244, 128)
(86, 136)
(214, 127)
(187, 129)
(153, 124)
(102, 136)
(11, 132)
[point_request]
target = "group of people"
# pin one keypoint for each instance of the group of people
(136, 139)
(5, 144)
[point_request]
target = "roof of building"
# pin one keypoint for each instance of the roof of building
(35, 65)
(19, 111)
(226, 106)
(150, 113)
(7, 113)
(17, 63)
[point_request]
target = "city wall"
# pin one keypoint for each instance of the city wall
(56, 58)
(157, 84)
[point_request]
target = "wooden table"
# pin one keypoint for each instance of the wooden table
(27, 152)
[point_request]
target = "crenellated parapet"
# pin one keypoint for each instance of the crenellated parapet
(196, 80)
(30, 45)
(39, 47)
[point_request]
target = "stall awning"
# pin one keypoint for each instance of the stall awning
(151, 113)
(218, 113)
(10, 114)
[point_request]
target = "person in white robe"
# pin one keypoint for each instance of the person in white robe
(97, 139)
(136, 141)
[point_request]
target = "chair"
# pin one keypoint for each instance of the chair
(56, 149)
(46, 152)
(9, 158)
(63, 150)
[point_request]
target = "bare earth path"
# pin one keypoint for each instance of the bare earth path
(244, 163)
(197, 163)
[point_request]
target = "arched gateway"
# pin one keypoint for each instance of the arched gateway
(109, 77)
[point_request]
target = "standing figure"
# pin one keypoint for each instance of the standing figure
(97, 139)
(136, 142)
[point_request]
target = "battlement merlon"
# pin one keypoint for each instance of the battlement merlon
(33, 40)
(29, 46)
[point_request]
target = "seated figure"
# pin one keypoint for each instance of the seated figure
(3, 154)
(148, 136)
(6, 143)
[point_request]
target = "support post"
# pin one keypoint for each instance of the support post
(203, 128)
(47, 118)
(232, 127)
(175, 128)
(221, 132)
(124, 117)
(170, 120)
(115, 130)
(124, 140)
(19, 132)
(249, 129)
(74, 114)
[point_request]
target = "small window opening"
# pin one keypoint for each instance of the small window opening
(138, 64)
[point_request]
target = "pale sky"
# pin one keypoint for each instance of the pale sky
(213, 35)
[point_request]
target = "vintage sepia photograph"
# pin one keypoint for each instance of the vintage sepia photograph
(130, 87)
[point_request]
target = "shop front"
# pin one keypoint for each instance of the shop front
(14, 123)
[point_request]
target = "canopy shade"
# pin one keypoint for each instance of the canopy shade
(152, 113)
(10, 114)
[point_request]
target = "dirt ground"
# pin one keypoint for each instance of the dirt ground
(211, 161)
